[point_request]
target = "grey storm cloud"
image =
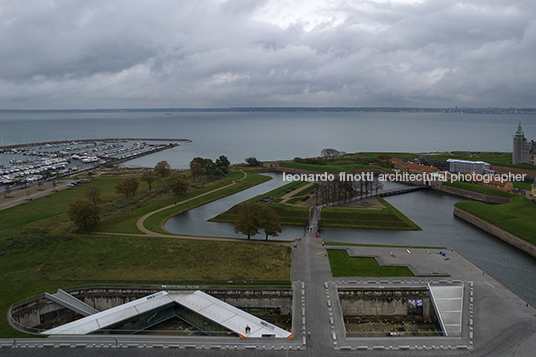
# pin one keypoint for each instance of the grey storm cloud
(214, 53)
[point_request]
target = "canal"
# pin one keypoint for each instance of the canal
(431, 210)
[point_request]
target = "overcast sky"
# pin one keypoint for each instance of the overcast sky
(215, 53)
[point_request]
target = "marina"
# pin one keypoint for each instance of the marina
(29, 163)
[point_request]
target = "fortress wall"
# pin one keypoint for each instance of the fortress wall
(382, 302)
(472, 195)
(500, 233)
(514, 171)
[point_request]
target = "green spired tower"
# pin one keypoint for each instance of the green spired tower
(520, 152)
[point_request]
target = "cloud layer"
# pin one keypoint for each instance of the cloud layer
(213, 53)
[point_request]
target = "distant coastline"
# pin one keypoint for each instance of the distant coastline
(168, 111)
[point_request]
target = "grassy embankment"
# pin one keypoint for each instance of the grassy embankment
(156, 221)
(478, 188)
(517, 216)
(288, 215)
(333, 168)
(39, 251)
(387, 218)
(344, 265)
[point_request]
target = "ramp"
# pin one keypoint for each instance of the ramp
(448, 302)
(67, 300)
(229, 316)
(226, 315)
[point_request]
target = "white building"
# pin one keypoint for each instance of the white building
(463, 166)
(523, 151)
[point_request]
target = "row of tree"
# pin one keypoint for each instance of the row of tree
(344, 191)
(253, 217)
(203, 166)
(85, 213)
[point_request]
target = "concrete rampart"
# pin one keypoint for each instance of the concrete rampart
(477, 196)
(382, 302)
(496, 231)
(30, 315)
(514, 171)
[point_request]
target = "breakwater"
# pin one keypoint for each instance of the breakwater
(62, 142)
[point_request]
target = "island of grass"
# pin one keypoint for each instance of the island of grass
(517, 216)
(344, 265)
(478, 188)
(288, 214)
(386, 217)
(294, 210)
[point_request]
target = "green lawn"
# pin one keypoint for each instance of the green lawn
(288, 215)
(387, 218)
(334, 169)
(522, 185)
(156, 221)
(478, 188)
(40, 251)
(35, 260)
(517, 216)
(344, 265)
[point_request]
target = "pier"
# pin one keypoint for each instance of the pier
(62, 142)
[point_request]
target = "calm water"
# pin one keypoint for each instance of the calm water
(431, 210)
(272, 136)
(285, 135)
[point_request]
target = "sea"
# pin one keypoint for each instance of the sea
(273, 135)
(286, 135)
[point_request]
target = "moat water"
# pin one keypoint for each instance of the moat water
(431, 210)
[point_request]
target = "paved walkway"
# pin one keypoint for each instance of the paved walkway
(310, 265)
(19, 196)
(140, 222)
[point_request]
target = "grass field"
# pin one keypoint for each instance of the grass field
(288, 215)
(522, 185)
(517, 216)
(478, 188)
(58, 202)
(156, 221)
(41, 251)
(344, 265)
(387, 218)
(333, 169)
(36, 259)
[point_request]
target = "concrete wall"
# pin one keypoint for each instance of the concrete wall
(471, 194)
(102, 298)
(514, 171)
(382, 302)
(497, 232)
(30, 315)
